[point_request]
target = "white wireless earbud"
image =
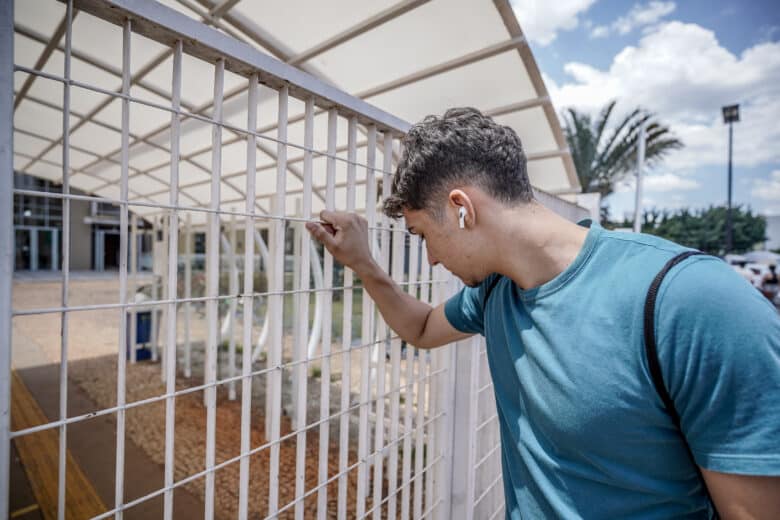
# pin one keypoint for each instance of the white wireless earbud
(462, 217)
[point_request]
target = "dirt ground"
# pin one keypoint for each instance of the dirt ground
(92, 357)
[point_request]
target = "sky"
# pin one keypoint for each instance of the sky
(682, 61)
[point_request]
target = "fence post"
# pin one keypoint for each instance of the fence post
(6, 240)
(465, 377)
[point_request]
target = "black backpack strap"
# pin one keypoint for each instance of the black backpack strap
(490, 290)
(653, 363)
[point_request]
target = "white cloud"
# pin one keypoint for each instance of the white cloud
(658, 183)
(541, 20)
(641, 15)
(768, 189)
(668, 182)
(600, 31)
(682, 73)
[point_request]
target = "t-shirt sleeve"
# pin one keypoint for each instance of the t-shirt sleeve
(465, 310)
(719, 347)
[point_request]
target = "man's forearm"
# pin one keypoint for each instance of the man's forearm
(404, 313)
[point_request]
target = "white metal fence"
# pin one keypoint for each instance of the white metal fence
(399, 432)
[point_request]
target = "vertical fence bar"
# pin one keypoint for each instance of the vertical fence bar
(430, 450)
(366, 334)
(212, 281)
(397, 271)
(330, 195)
(406, 468)
(303, 314)
(187, 296)
(133, 284)
(276, 302)
(444, 358)
(6, 240)
(120, 382)
(63, 437)
(248, 300)
(233, 308)
(173, 269)
(346, 329)
(421, 395)
(464, 427)
(379, 438)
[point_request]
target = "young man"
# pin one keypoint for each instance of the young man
(584, 432)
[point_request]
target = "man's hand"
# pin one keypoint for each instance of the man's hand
(345, 235)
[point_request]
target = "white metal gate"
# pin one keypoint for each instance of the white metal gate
(399, 432)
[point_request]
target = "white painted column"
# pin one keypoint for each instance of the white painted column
(155, 293)
(133, 285)
(165, 223)
(232, 309)
(187, 296)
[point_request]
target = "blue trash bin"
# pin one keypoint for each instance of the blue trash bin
(143, 334)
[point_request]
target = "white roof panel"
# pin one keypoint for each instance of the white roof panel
(411, 39)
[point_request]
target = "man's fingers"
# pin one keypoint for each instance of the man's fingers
(322, 233)
(333, 217)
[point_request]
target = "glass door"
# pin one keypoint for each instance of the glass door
(36, 248)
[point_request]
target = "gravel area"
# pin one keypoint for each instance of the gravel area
(93, 338)
(146, 427)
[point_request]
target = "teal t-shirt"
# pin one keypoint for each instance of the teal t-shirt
(583, 431)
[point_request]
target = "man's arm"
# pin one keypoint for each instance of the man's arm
(345, 235)
(743, 496)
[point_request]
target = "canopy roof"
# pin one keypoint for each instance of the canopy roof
(409, 58)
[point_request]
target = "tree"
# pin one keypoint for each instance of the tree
(604, 154)
(705, 229)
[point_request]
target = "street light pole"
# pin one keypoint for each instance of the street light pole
(729, 222)
(730, 116)
(640, 165)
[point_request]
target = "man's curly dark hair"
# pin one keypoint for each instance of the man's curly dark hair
(461, 148)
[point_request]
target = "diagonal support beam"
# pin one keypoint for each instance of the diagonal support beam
(52, 44)
(105, 67)
(366, 25)
(441, 68)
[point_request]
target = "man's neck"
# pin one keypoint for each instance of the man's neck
(534, 244)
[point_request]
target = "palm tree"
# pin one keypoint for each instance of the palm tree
(604, 155)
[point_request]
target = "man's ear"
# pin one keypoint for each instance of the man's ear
(458, 199)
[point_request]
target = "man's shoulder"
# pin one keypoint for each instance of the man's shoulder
(704, 293)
